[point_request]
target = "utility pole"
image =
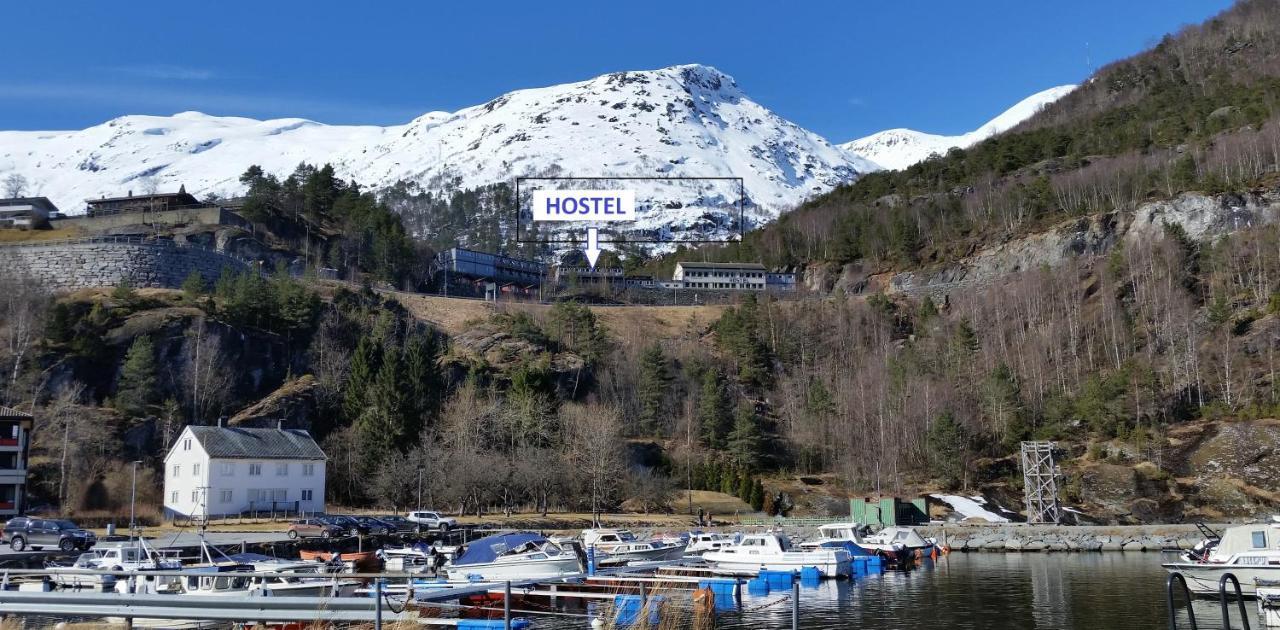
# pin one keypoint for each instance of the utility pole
(133, 500)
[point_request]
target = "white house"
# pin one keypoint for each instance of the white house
(219, 471)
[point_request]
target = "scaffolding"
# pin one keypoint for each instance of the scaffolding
(1040, 482)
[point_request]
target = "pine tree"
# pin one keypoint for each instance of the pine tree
(365, 362)
(422, 377)
(757, 496)
(383, 424)
(652, 390)
(193, 286)
(712, 410)
(137, 387)
(948, 444)
(745, 441)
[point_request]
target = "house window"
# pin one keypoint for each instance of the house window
(186, 444)
(177, 468)
(306, 495)
(228, 469)
(308, 470)
(224, 496)
(255, 469)
(195, 496)
(173, 497)
(279, 495)
(195, 469)
(282, 469)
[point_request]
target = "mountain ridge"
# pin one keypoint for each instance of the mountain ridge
(896, 149)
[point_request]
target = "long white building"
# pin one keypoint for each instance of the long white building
(222, 471)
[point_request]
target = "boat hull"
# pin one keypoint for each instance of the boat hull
(833, 564)
(516, 570)
(1202, 578)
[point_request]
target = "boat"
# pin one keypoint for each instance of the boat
(620, 546)
(517, 556)
(356, 560)
(773, 552)
(418, 558)
(845, 536)
(702, 542)
(1249, 552)
(131, 555)
(901, 543)
(295, 578)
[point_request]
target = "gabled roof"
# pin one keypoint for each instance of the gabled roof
(244, 443)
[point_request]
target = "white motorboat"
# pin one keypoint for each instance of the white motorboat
(1249, 552)
(902, 543)
(773, 552)
(620, 546)
(517, 556)
(702, 542)
(131, 555)
(847, 536)
(295, 578)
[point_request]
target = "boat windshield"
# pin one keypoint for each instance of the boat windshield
(626, 535)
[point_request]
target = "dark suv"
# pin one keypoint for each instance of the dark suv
(39, 533)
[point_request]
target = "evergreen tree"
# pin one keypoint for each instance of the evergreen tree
(757, 496)
(365, 362)
(652, 389)
(948, 447)
(383, 424)
(745, 441)
(713, 417)
(422, 377)
(137, 387)
(193, 286)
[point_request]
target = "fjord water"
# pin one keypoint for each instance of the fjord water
(986, 591)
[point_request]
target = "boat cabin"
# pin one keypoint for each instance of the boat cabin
(220, 579)
(1253, 541)
(840, 531)
(762, 544)
(607, 536)
(905, 536)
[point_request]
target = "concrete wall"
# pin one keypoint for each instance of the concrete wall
(70, 265)
(211, 215)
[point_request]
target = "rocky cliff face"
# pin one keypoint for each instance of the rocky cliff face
(1201, 216)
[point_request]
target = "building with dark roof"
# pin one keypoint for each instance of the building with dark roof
(26, 212)
(223, 471)
(723, 276)
(15, 444)
(156, 202)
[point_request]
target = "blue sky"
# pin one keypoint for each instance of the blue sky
(842, 69)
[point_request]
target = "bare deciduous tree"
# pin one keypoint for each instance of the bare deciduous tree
(205, 375)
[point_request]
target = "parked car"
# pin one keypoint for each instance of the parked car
(38, 533)
(349, 524)
(432, 520)
(399, 524)
(376, 526)
(314, 528)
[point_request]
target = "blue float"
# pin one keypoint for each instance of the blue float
(518, 623)
(627, 610)
(758, 586)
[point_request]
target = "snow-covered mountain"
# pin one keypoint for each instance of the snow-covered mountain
(689, 120)
(899, 148)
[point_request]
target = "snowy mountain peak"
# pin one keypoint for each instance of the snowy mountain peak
(899, 148)
(684, 120)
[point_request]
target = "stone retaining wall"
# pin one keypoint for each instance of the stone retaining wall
(1019, 537)
(107, 263)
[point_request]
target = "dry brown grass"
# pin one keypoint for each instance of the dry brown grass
(21, 236)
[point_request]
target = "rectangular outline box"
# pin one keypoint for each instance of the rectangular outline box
(742, 202)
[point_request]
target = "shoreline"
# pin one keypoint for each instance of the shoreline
(1021, 537)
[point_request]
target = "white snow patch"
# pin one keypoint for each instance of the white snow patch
(970, 507)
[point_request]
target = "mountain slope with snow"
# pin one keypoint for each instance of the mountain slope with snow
(897, 149)
(689, 120)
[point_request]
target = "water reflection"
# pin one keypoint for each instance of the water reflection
(1080, 591)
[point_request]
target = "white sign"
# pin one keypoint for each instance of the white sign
(584, 205)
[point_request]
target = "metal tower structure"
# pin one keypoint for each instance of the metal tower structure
(1040, 482)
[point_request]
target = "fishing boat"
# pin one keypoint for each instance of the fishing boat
(295, 578)
(620, 546)
(1249, 552)
(845, 536)
(132, 555)
(773, 552)
(518, 556)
